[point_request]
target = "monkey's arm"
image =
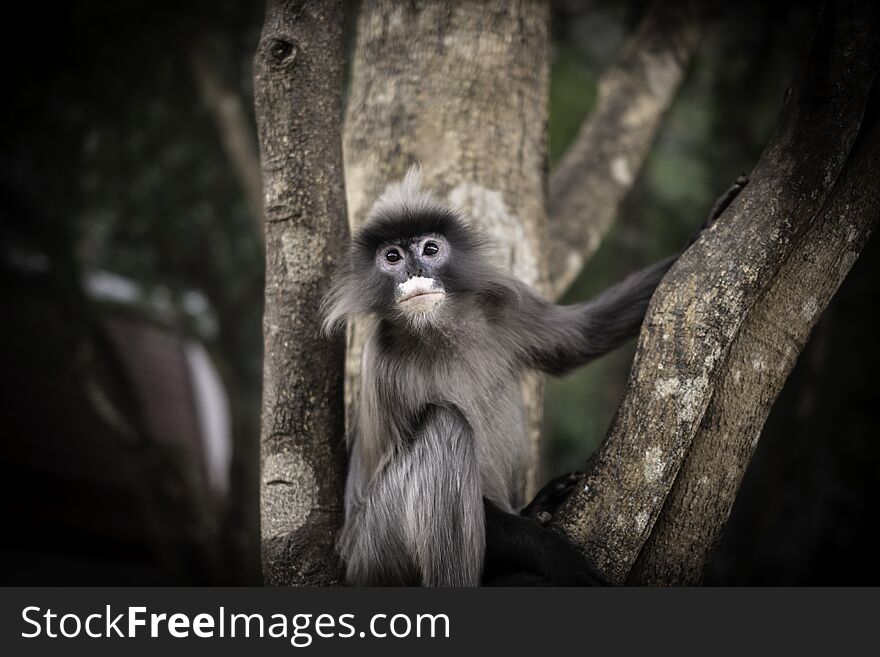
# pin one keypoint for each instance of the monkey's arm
(420, 519)
(555, 338)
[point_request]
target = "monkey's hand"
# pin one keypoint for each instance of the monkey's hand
(720, 206)
(550, 497)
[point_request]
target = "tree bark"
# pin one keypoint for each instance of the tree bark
(760, 360)
(298, 81)
(728, 321)
(461, 88)
(600, 167)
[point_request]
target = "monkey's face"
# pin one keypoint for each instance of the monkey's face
(414, 267)
(408, 263)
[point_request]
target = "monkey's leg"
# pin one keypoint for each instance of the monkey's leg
(443, 497)
(372, 545)
(550, 497)
(421, 519)
(520, 552)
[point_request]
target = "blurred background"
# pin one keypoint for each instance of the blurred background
(131, 276)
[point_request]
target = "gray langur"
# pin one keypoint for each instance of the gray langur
(439, 443)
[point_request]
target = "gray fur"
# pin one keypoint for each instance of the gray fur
(440, 423)
(421, 521)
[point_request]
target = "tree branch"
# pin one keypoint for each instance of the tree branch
(598, 170)
(703, 321)
(298, 85)
(754, 372)
(233, 127)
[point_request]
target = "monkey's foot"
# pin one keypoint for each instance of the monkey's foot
(550, 497)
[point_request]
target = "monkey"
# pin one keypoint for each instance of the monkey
(438, 446)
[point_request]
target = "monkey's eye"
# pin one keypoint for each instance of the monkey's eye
(430, 249)
(392, 255)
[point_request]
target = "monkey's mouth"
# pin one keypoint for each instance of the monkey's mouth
(419, 293)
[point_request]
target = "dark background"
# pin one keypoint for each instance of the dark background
(131, 279)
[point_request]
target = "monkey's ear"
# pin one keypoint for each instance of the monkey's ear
(348, 296)
(335, 309)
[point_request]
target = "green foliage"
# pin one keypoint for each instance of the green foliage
(572, 96)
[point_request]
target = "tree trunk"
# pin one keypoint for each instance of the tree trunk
(729, 320)
(298, 81)
(760, 360)
(461, 88)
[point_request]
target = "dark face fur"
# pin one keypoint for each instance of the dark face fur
(407, 264)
